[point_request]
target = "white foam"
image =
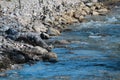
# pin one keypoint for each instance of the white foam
(113, 19)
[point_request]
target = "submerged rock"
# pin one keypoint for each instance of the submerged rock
(51, 57)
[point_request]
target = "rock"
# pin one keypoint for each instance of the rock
(93, 8)
(97, 5)
(64, 42)
(76, 14)
(83, 13)
(89, 4)
(34, 50)
(11, 31)
(53, 32)
(61, 42)
(17, 56)
(44, 36)
(69, 20)
(16, 66)
(94, 1)
(102, 11)
(39, 50)
(70, 13)
(33, 39)
(86, 9)
(25, 20)
(3, 75)
(82, 4)
(51, 57)
(81, 18)
(39, 27)
(95, 13)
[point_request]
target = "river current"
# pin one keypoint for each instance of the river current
(92, 54)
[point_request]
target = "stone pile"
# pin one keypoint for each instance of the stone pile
(26, 24)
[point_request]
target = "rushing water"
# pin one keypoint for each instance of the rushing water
(93, 54)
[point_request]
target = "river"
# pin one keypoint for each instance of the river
(92, 54)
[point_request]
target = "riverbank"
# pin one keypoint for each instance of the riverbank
(26, 26)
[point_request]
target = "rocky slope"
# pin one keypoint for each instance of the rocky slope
(26, 24)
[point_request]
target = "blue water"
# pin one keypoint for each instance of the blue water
(92, 54)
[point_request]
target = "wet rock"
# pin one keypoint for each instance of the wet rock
(51, 57)
(4, 62)
(3, 75)
(31, 38)
(16, 66)
(61, 42)
(44, 36)
(67, 29)
(53, 32)
(17, 56)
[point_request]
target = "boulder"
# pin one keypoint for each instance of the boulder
(70, 13)
(103, 11)
(53, 32)
(89, 4)
(81, 18)
(76, 14)
(44, 36)
(95, 13)
(51, 57)
(83, 13)
(86, 9)
(69, 20)
(39, 27)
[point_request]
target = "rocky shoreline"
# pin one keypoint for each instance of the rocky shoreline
(25, 27)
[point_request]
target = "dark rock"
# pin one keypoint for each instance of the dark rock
(18, 56)
(33, 39)
(28, 37)
(11, 31)
(44, 36)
